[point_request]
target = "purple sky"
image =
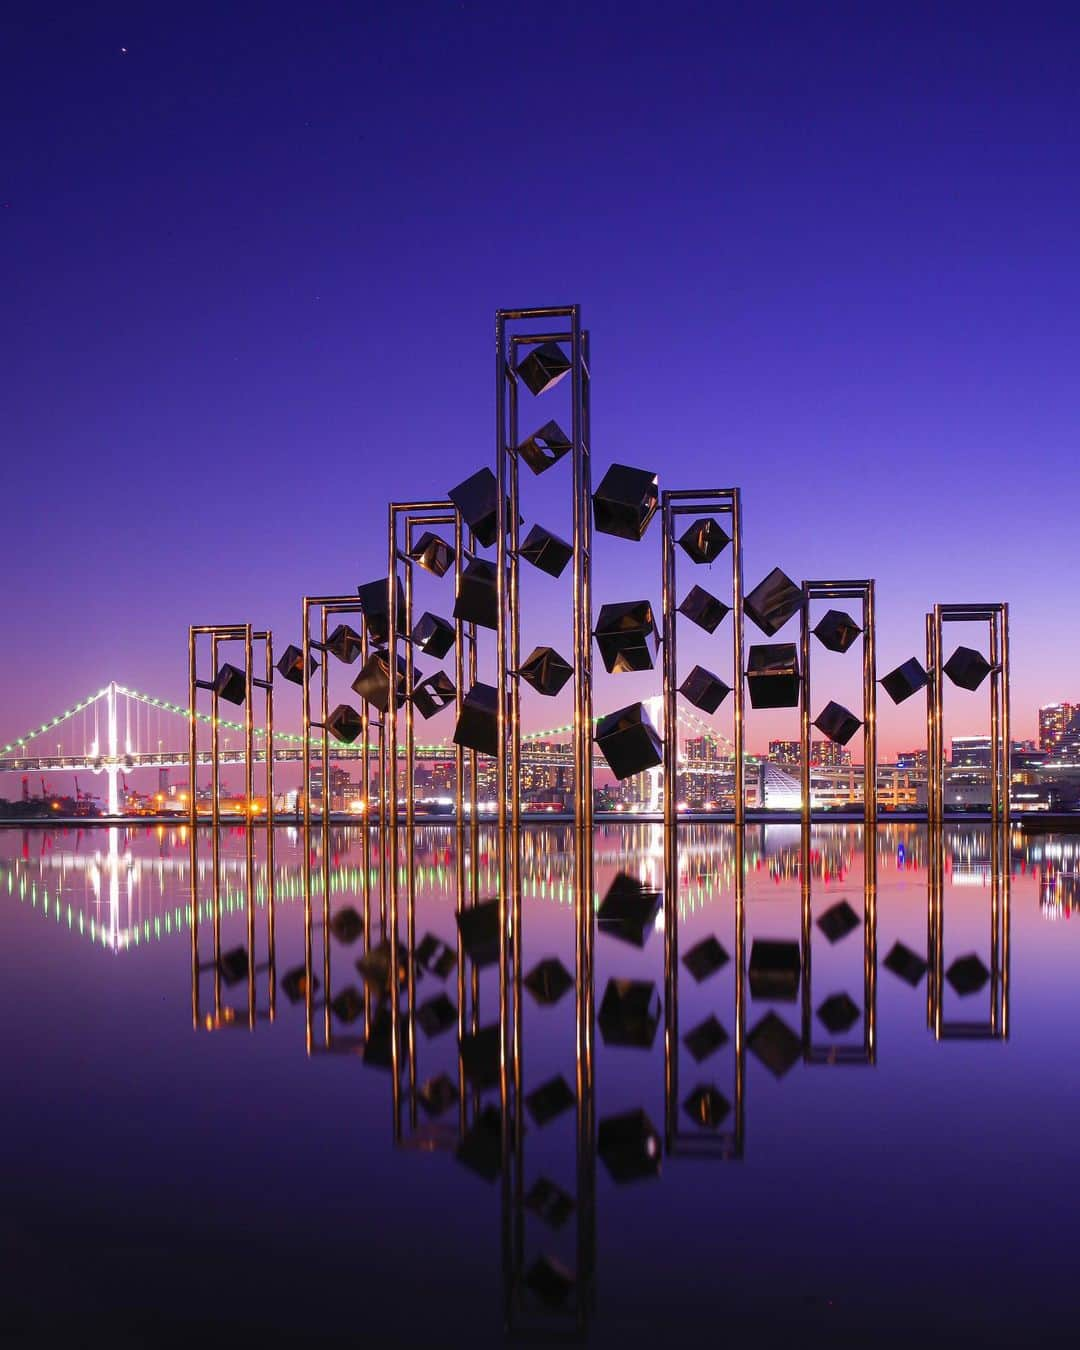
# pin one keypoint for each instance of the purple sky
(252, 263)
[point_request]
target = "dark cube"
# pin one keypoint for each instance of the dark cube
(629, 1013)
(549, 1100)
(434, 694)
(836, 630)
(838, 1013)
(478, 595)
(772, 675)
(433, 635)
(548, 981)
(628, 910)
(837, 723)
(546, 551)
(291, 665)
(481, 1148)
(545, 447)
(704, 541)
(967, 974)
(437, 1095)
(773, 601)
(626, 501)
(549, 1202)
(344, 643)
(907, 965)
(705, 958)
(347, 925)
(704, 689)
(344, 724)
(477, 499)
(543, 367)
(905, 680)
(230, 684)
(480, 1056)
(706, 1038)
(432, 553)
(233, 965)
(775, 1044)
(707, 1107)
(479, 929)
(477, 726)
(375, 602)
(703, 608)
(967, 668)
(629, 742)
(545, 670)
(626, 635)
(629, 1146)
(437, 1015)
(373, 682)
(775, 968)
(550, 1281)
(838, 921)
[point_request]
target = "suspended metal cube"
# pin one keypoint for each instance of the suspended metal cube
(550, 1281)
(291, 665)
(629, 742)
(837, 723)
(704, 689)
(479, 929)
(706, 1038)
(230, 684)
(375, 602)
(294, 984)
(437, 1095)
(629, 1146)
(478, 597)
(772, 676)
(550, 1100)
(705, 958)
(773, 601)
(838, 1013)
(434, 636)
(707, 1106)
(548, 981)
(432, 553)
(543, 367)
(347, 925)
(545, 447)
(546, 551)
(627, 637)
(373, 682)
(629, 910)
(907, 965)
(626, 501)
(549, 1202)
(836, 630)
(437, 1015)
(629, 1013)
(545, 670)
(233, 965)
(775, 1044)
(705, 540)
(376, 964)
(481, 1148)
(838, 921)
(436, 956)
(477, 498)
(344, 724)
(703, 608)
(775, 969)
(905, 680)
(434, 694)
(477, 726)
(967, 974)
(967, 668)
(480, 1056)
(348, 1005)
(344, 643)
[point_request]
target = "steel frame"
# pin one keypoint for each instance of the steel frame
(862, 591)
(996, 617)
(674, 505)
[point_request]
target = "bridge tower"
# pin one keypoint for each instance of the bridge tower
(112, 751)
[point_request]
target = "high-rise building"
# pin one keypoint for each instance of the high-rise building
(1054, 720)
(823, 754)
(911, 759)
(971, 752)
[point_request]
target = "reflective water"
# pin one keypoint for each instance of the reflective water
(855, 1150)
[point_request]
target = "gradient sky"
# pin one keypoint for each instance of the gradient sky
(252, 256)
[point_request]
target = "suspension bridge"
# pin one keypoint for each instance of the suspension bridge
(118, 730)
